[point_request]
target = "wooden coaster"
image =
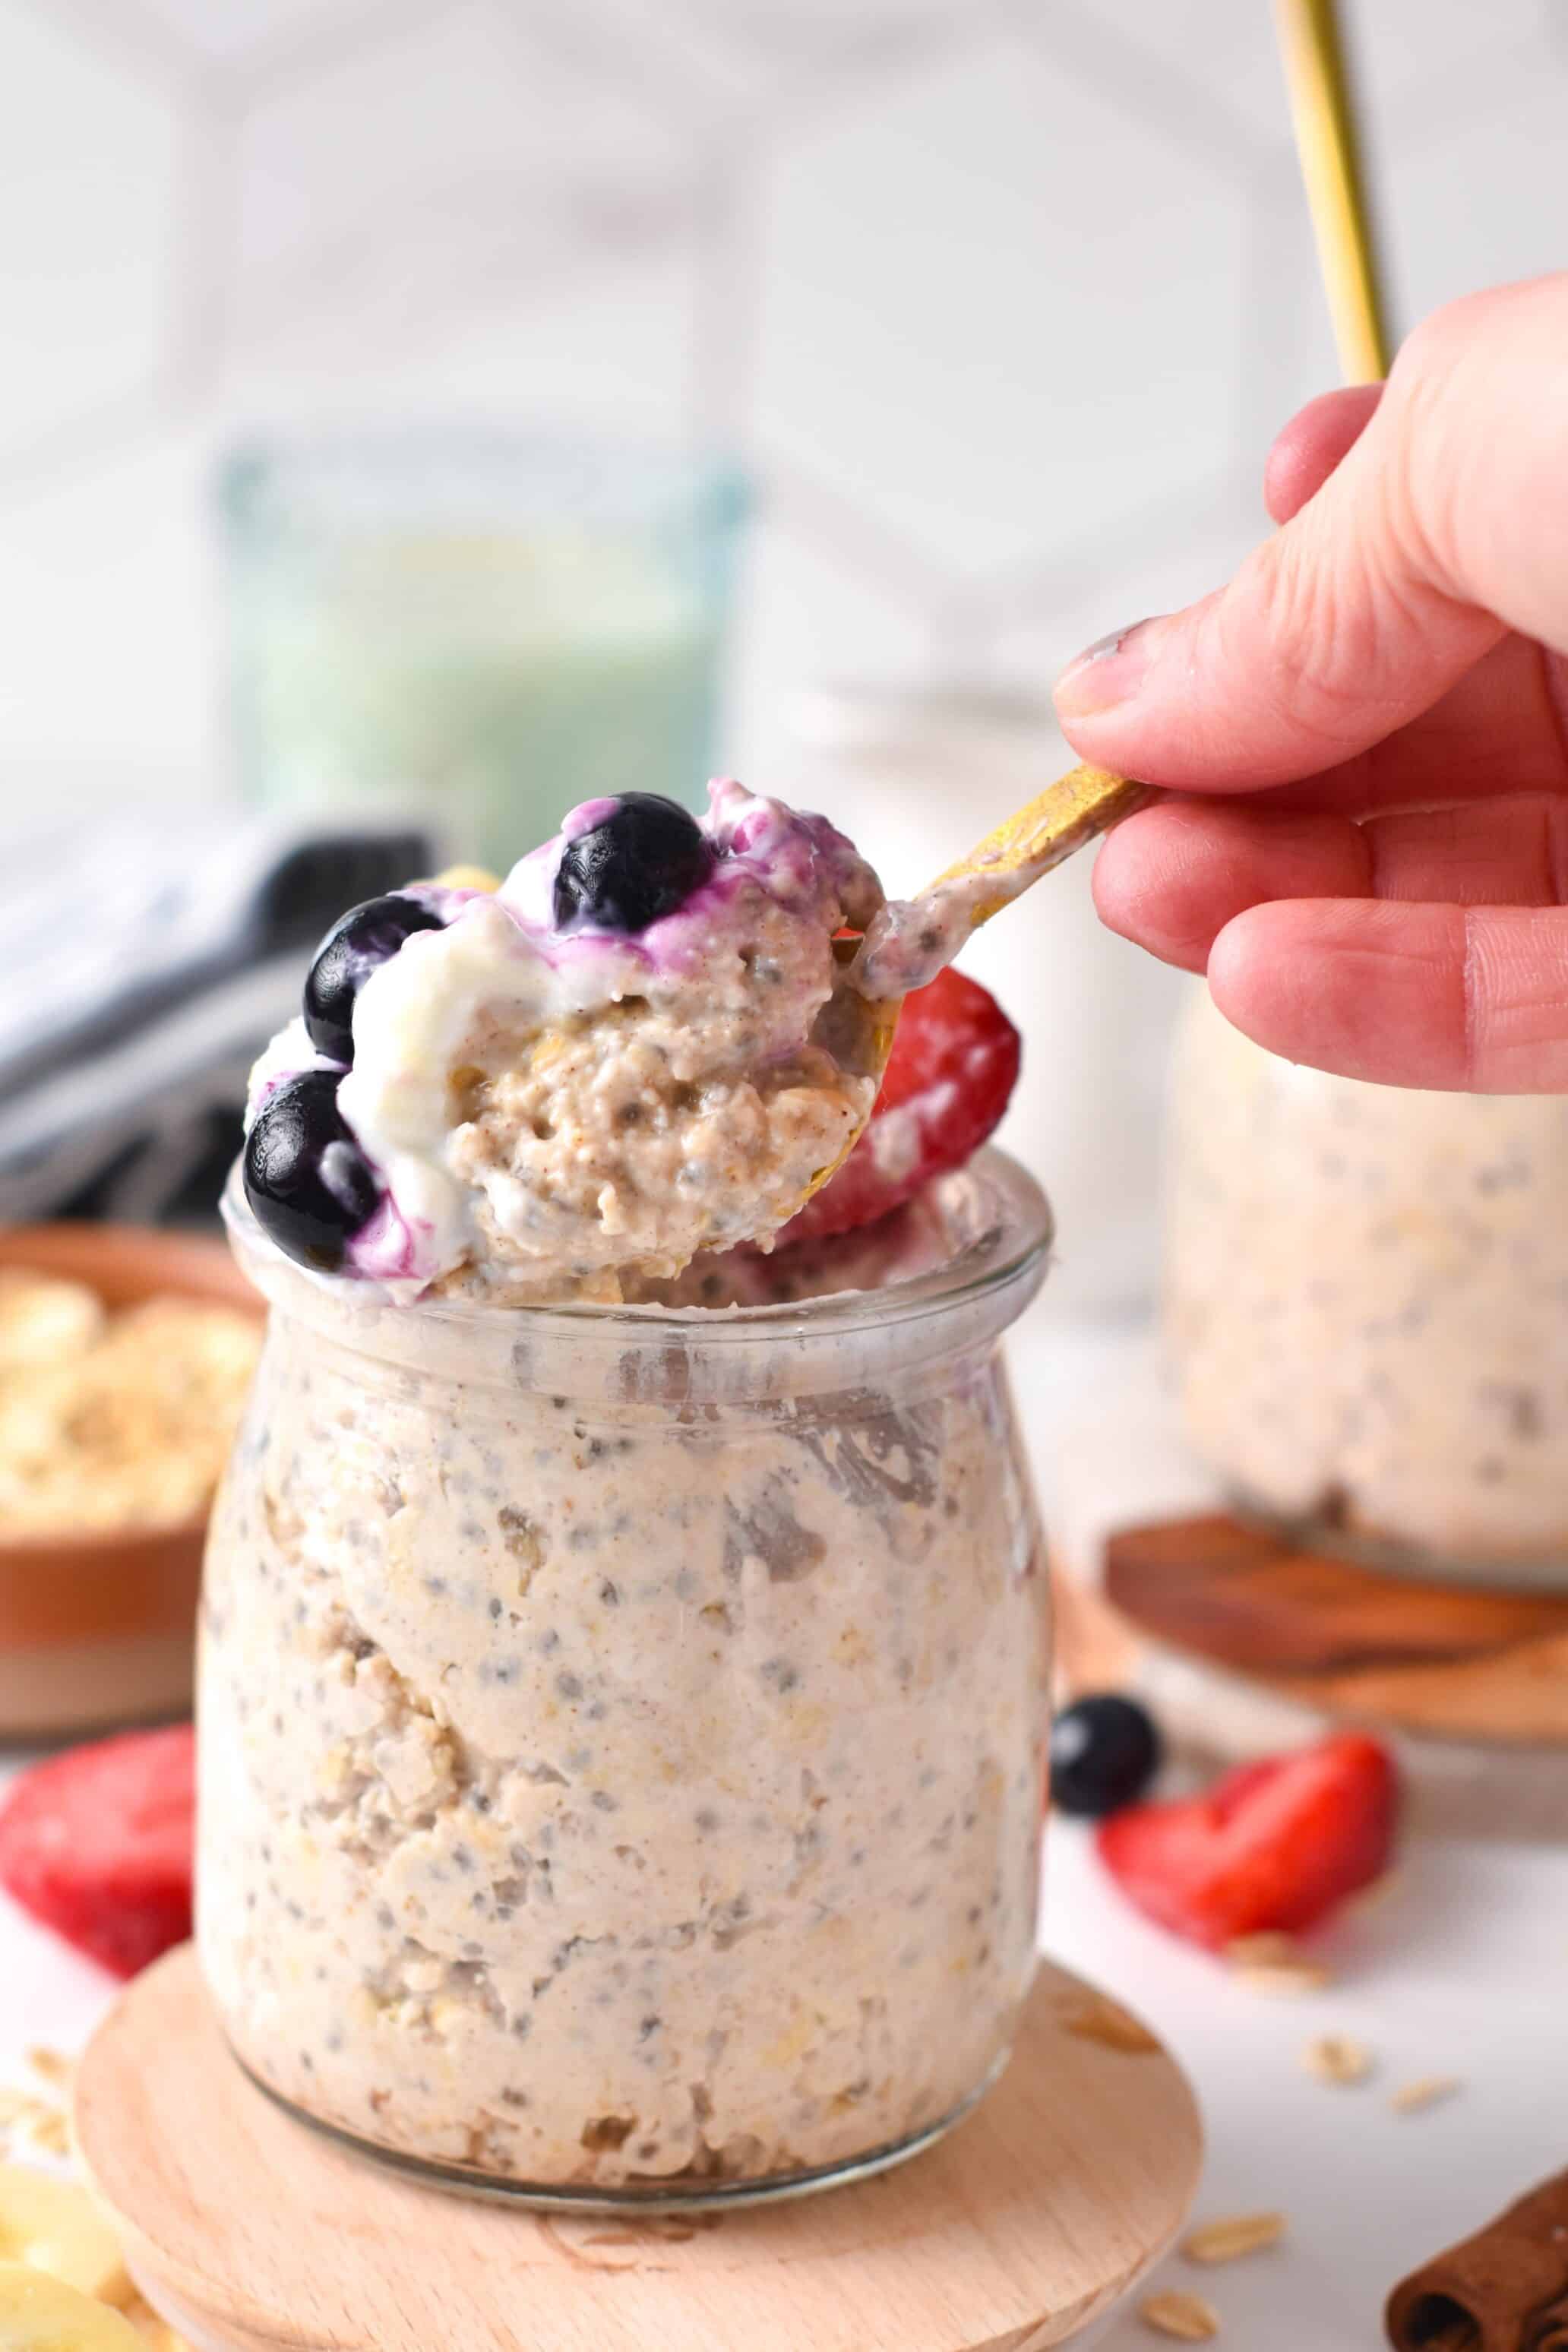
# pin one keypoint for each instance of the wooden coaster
(1429, 1657)
(1244, 1644)
(1215, 1715)
(250, 2233)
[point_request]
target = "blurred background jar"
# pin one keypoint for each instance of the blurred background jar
(1365, 1306)
(917, 773)
(490, 626)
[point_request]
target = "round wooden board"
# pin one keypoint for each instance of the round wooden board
(1025, 2223)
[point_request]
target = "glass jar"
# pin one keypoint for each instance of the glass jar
(485, 624)
(621, 1729)
(1366, 1307)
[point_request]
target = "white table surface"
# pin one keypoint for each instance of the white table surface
(1462, 1969)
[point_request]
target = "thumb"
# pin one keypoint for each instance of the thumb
(1318, 439)
(1442, 527)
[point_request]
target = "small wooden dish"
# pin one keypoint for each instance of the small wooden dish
(96, 1625)
(1026, 2224)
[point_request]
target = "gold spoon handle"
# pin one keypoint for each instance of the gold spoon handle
(1328, 142)
(1085, 802)
(912, 939)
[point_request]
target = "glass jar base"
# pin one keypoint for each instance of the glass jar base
(657, 2197)
(1336, 1536)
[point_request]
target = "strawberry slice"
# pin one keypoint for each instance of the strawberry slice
(1272, 1845)
(953, 1065)
(97, 1843)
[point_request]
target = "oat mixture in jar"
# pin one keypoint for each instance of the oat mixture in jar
(1367, 1306)
(622, 1726)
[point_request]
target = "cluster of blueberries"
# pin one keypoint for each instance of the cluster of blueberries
(308, 1184)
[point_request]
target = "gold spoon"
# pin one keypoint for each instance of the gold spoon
(912, 939)
(1327, 141)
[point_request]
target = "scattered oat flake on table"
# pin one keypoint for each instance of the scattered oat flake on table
(28, 2123)
(1426, 2091)
(1335, 2058)
(50, 2132)
(1226, 2241)
(1378, 1892)
(1264, 1950)
(33, 2119)
(40, 2116)
(1188, 2317)
(1276, 1963)
(1292, 1980)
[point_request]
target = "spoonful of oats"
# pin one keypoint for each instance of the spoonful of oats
(659, 1035)
(907, 941)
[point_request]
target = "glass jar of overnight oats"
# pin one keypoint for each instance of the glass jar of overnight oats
(622, 1728)
(1366, 1307)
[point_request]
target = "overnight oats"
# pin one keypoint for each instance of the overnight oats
(1366, 1307)
(642, 1045)
(622, 1706)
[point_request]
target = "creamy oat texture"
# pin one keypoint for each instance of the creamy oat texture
(547, 1108)
(1366, 1301)
(622, 1736)
(909, 940)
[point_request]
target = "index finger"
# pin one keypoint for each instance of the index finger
(1440, 530)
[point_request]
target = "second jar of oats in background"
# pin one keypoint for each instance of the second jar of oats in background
(1366, 1307)
(622, 1728)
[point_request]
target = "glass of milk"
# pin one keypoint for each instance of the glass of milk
(489, 625)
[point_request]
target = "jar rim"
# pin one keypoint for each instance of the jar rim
(1011, 1232)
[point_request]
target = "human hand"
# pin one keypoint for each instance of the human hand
(1375, 712)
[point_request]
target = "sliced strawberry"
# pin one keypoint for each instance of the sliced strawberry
(97, 1843)
(1272, 1845)
(953, 1065)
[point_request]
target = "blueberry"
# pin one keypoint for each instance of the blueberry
(645, 860)
(1104, 1752)
(357, 943)
(305, 1176)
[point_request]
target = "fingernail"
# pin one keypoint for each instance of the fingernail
(1108, 672)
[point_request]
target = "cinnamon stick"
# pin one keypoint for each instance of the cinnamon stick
(1504, 2290)
(1550, 2328)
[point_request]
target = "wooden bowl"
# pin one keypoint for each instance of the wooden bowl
(96, 1626)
